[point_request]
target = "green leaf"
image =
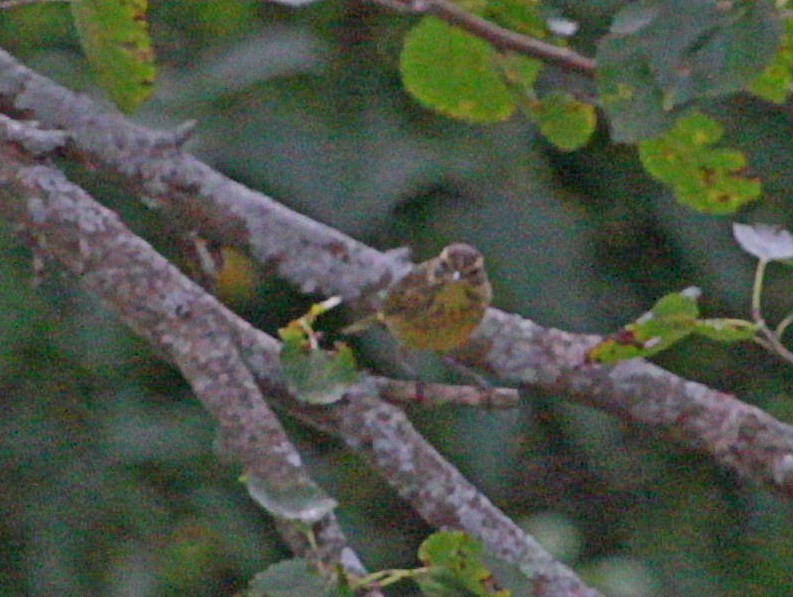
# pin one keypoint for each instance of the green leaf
(709, 48)
(672, 318)
(116, 43)
(306, 503)
(291, 578)
(703, 177)
(520, 72)
(661, 54)
(773, 84)
(318, 376)
(455, 567)
(629, 94)
(726, 330)
(565, 122)
(442, 582)
(452, 72)
(315, 375)
(449, 548)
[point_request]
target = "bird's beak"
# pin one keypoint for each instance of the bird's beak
(456, 276)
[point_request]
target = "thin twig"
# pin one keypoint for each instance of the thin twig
(772, 342)
(499, 37)
(438, 394)
(783, 325)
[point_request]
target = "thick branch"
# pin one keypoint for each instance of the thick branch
(205, 340)
(318, 258)
(176, 316)
(315, 257)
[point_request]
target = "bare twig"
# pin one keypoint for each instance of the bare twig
(497, 36)
(771, 341)
(437, 394)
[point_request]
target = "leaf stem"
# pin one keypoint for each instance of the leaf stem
(770, 339)
(771, 342)
(783, 325)
(383, 578)
(757, 291)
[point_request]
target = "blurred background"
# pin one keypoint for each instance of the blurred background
(110, 485)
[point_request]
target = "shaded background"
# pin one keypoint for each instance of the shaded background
(109, 483)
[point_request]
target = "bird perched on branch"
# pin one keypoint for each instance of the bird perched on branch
(439, 303)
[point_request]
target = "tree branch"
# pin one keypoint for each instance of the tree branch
(321, 259)
(177, 318)
(221, 355)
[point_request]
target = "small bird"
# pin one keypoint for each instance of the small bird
(440, 302)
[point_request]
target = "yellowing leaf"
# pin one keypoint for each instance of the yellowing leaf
(454, 73)
(115, 40)
(672, 318)
(565, 122)
(706, 178)
(455, 567)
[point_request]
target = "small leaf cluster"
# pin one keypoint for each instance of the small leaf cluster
(454, 565)
(660, 56)
(674, 317)
(774, 83)
(660, 60)
(315, 375)
(464, 77)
